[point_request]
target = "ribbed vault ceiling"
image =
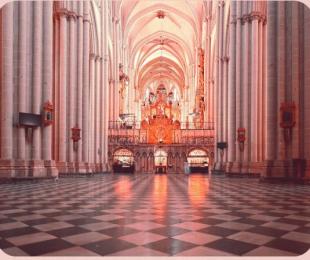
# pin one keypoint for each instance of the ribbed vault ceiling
(161, 37)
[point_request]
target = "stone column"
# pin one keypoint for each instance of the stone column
(22, 73)
(306, 98)
(63, 46)
(281, 74)
(7, 91)
(232, 86)
(37, 75)
(37, 167)
(80, 80)
(246, 108)
(116, 72)
(72, 86)
(254, 87)
(260, 96)
(98, 116)
(111, 92)
(218, 97)
(238, 80)
(47, 138)
(296, 86)
(85, 126)
(271, 91)
(105, 81)
(91, 106)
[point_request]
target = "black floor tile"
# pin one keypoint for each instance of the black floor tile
(167, 221)
(218, 231)
(45, 247)
(231, 246)
(40, 221)
(170, 246)
(289, 245)
(109, 246)
(239, 214)
(123, 221)
(5, 244)
(293, 221)
(18, 232)
(267, 231)
(169, 231)
(118, 231)
(303, 230)
(210, 221)
(6, 220)
(83, 221)
(250, 221)
(70, 231)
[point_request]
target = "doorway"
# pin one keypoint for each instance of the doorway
(123, 161)
(160, 161)
(198, 161)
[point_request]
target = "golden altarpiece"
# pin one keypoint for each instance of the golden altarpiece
(160, 143)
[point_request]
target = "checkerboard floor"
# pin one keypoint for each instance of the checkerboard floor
(154, 215)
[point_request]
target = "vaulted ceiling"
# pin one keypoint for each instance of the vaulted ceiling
(161, 38)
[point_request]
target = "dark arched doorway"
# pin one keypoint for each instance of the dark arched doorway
(160, 161)
(123, 161)
(198, 161)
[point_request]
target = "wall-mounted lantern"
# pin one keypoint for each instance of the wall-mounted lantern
(241, 138)
(287, 120)
(48, 111)
(76, 136)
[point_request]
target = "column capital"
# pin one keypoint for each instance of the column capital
(225, 58)
(92, 56)
(106, 58)
(61, 12)
(245, 18)
(115, 19)
(72, 15)
(265, 21)
(221, 3)
(233, 20)
(97, 58)
(257, 16)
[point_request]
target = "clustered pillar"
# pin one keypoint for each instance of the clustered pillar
(287, 153)
(26, 85)
(239, 99)
(68, 72)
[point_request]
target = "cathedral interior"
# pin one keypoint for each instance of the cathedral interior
(154, 128)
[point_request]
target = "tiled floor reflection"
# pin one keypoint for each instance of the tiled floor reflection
(154, 215)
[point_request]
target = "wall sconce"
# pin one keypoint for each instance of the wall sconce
(47, 116)
(241, 138)
(76, 136)
(288, 120)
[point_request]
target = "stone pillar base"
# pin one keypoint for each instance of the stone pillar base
(294, 170)
(80, 167)
(27, 169)
(21, 169)
(37, 169)
(243, 169)
(98, 167)
(71, 167)
(219, 167)
(50, 168)
(62, 167)
(7, 170)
